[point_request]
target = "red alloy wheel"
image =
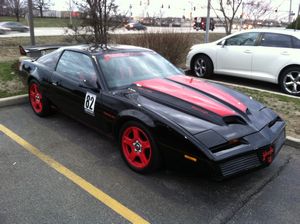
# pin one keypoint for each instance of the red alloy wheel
(136, 147)
(35, 98)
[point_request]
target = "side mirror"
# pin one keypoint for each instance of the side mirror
(87, 84)
(223, 43)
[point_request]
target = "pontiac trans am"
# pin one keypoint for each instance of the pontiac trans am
(155, 112)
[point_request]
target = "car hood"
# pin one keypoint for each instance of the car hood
(200, 46)
(199, 106)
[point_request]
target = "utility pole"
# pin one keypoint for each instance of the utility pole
(290, 12)
(207, 22)
(30, 18)
(70, 8)
(296, 25)
(242, 16)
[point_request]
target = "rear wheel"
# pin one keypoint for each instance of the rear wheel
(39, 103)
(202, 66)
(138, 148)
(289, 81)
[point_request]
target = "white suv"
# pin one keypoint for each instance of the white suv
(264, 54)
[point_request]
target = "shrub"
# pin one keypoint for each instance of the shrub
(171, 45)
(294, 24)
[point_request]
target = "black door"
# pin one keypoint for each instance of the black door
(74, 88)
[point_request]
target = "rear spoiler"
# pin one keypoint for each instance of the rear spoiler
(35, 52)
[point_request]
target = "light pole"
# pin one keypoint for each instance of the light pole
(130, 10)
(70, 8)
(191, 14)
(296, 25)
(207, 22)
(290, 12)
(242, 16)
(30, 18)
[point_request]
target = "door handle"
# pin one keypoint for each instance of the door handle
(57, 83)
(285, 53)
(247, 51)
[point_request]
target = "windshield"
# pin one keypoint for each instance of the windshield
(123, 69)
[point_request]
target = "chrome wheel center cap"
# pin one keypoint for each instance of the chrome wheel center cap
(137, 146)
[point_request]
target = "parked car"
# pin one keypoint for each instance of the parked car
(135, 26)
(156, 113)
(200, 23)
(265, 55)
(14, 26)
(4, 30)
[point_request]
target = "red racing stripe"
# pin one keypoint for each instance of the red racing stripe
(186, 94)
(210, 89)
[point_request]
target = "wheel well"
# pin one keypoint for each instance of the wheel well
(117, 127)
(30, 78)
(196, 55)
(285, 68)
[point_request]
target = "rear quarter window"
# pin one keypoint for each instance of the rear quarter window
(296, 42)
(50, 60)
(276, 40)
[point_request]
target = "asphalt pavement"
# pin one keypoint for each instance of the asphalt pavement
(32, 191)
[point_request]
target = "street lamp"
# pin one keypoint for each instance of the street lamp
(30, 18)
(130, 7)
(207, 22)
(290, 12)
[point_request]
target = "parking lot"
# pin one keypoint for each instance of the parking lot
(56, 170)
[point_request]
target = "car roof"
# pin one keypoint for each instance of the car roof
(291, 32)
(97, 50)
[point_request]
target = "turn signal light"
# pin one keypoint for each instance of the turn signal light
(190, 158)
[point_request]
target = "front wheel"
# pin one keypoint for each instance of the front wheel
(289, 81)
(138, 148)
(202, 66)
(39, 103)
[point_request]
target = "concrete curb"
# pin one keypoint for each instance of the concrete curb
(243, 86)
(293, 142)
(13, 100)
(21, 99)
(253, 88)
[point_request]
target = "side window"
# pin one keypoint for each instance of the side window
(296, 42)
(244, 39)
(76, 66)
(276, 40)
(50, 59)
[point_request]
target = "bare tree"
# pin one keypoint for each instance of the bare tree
(255, 10)
(16, 7)
(100, 16)
(228, 9)
(42, 5)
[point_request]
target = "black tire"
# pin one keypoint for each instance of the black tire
(202, 66)
(289, 80)
(133, 147)
(40, 105)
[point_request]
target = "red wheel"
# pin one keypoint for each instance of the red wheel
(138, 148)
(39, 104)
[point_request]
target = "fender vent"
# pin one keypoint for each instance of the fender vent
(274, 121)
(234, 120)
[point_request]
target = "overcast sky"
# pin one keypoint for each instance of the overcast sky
(178, 8)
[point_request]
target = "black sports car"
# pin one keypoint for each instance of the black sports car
(156, 113)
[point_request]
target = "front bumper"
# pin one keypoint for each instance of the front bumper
(260, 157)
(188, 60)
